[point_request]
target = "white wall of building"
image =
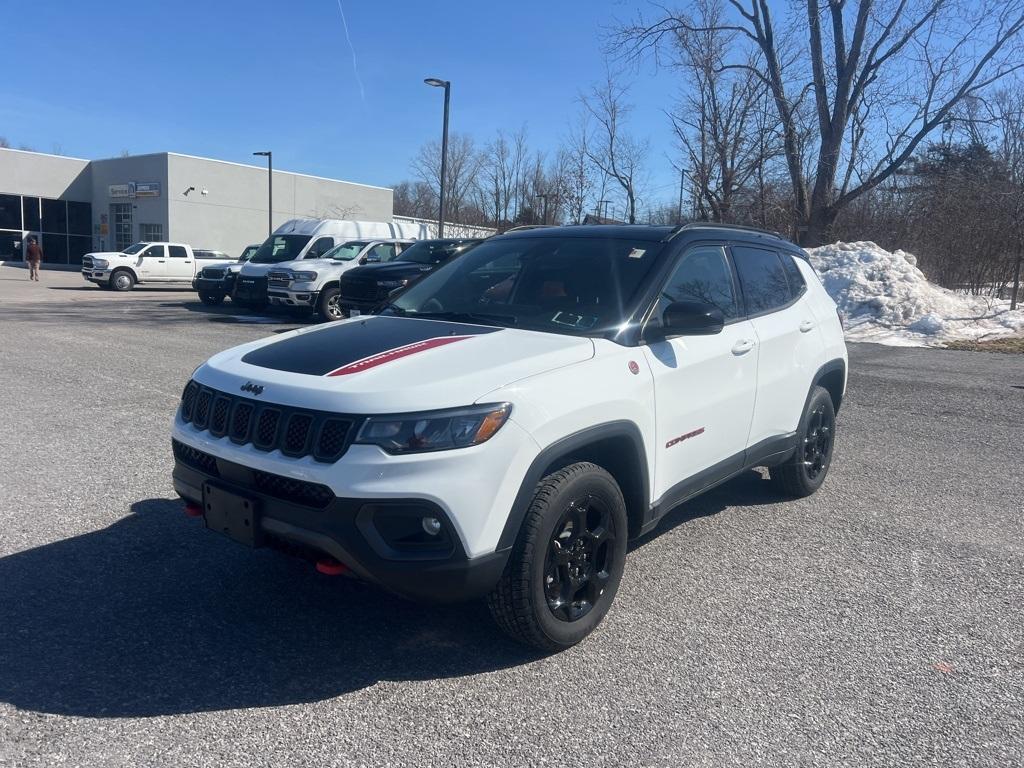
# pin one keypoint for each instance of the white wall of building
(233, 212)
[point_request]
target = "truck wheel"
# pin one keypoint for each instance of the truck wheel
(803, 474)
(212, 299)
(567, 561)
(328, 307)
(122, 280)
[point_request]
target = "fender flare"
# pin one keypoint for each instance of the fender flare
(562, 448)
(831, 366)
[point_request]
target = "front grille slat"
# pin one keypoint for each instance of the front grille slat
(294, 432)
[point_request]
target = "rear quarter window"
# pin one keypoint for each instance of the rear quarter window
(763, 278)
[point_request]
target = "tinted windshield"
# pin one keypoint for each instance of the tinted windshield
(135, 248)
(430, 251)
(248, 252)
(562, 285)
(346, 251)
(278, 248)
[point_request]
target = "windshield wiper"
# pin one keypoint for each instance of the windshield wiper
(471, 317)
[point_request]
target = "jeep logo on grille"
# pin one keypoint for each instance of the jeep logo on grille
(256, 389)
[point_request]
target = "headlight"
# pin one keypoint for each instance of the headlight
(434, 430)
(303, 276)
(101, 263)
(392, 283)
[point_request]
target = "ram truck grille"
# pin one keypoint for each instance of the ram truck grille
(279, 279)
(295, 432)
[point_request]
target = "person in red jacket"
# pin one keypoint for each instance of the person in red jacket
(34, 257)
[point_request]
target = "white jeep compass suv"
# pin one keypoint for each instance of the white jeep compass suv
(502, 427)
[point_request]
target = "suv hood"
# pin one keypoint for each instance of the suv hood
(311, 264)
(383, 364)
(391, 270)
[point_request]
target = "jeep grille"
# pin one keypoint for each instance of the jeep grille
(295, 432)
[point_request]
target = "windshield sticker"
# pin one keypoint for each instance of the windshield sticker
(637, 253)
(573, 320)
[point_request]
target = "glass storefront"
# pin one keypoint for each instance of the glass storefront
(63, 228)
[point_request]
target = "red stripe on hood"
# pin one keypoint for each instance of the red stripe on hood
(394, 354)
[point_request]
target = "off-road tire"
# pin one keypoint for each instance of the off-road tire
(804, 473)
(519, 603)
(211, 299)
(122, 280)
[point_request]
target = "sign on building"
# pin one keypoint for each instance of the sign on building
(147, 189)
(122, 190)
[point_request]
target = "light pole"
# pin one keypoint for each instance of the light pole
(270, 190)
(544, 197)
(438, 83)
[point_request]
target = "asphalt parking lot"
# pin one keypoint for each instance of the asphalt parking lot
(877, 623)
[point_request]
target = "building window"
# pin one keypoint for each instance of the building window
(10, 212)
(30, 205)
(55, 216)
(151, 233)
(121, 223)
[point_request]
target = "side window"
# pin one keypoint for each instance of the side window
(320, 247)
(382, 252)
(796, 280)
(177, 251)
(702, 275)
(154, 252)
(762, 277)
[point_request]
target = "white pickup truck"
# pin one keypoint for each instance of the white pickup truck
(146, 263)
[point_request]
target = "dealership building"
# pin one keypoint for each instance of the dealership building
(76, 206)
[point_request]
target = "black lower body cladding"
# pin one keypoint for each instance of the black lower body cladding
(356, 532)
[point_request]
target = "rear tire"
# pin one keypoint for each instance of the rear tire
(328, 306)
(567, 561)
(122, 280)
(211, 299)
(804, 473)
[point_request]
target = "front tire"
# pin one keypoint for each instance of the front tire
(567, 561)
(328, 307)
(211, 299)
(122, 280)
(803, 474)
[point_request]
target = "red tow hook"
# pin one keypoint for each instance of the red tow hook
(331, 567)
(193, 510)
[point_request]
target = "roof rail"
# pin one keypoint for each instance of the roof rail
(720, 225)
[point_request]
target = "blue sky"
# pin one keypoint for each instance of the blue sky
(224, 77)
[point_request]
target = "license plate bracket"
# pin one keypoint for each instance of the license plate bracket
(231, 514)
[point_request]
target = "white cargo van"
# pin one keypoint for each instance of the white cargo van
(310, 239)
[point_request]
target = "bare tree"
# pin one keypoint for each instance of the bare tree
(500, 168)
(577, 171)
(414, 198)
(612, 149)
(463, 166)
(4, 143)
(883, 74)
(724, 144)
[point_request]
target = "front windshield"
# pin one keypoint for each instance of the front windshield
(569, 285)
(430, 251)
(248, 253)
(133, 249)
(346, 251)
(278, 248)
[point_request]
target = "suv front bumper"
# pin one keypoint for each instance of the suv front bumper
(344, 528)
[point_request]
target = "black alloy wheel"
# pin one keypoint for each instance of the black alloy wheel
(579, 559)
(818, 442)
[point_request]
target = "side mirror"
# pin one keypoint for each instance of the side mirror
(686, 318)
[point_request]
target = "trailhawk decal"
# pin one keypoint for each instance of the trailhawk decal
(359, 345)
(393, 354)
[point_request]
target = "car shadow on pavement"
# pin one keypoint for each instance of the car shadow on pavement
(153, 616)
(748, 489)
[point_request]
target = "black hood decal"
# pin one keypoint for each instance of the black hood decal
(338, 348)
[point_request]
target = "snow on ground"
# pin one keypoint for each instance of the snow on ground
(886, 299)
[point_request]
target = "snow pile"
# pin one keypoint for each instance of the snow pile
(885, 298)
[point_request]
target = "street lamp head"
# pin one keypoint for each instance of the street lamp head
(262, 154)
(436, 82)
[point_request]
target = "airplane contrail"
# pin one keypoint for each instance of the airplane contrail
(355, 65)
